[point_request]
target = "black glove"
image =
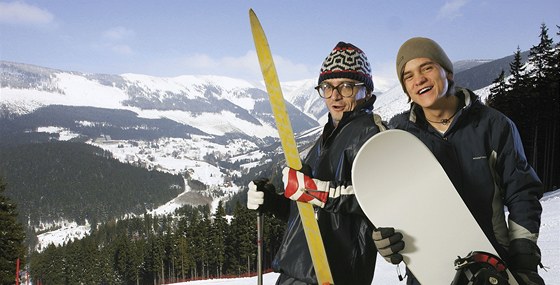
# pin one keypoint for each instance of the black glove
(262, 196)
(258, 190)
(389, 243)
(524, 257)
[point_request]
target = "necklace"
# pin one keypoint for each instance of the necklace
(443, 121)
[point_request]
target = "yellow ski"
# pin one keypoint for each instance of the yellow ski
(311, 228)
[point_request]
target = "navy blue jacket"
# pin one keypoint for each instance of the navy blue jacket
(345, 229)
(483, 155)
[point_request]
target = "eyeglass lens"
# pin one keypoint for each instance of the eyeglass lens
(345, 89)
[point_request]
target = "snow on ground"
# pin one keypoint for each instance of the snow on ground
(73, 90)
(386, 274)
(175, 155)
(169, 207)
(68, 231)
(64, 134)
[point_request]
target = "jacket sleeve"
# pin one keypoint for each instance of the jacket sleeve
(521, 186)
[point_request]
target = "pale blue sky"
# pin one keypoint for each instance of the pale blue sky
(172, 38)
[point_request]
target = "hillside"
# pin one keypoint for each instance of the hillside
(75, 181)
(482, 75)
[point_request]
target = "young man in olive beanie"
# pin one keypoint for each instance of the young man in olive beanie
(346, 86)
(481, 152)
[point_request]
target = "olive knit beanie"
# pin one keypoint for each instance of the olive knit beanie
(421, 47)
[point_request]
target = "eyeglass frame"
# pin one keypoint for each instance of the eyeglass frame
(357, 84)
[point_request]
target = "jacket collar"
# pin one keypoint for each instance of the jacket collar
(365, 106)
(465, 94)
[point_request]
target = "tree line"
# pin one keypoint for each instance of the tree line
(190, 244)
(530, 97)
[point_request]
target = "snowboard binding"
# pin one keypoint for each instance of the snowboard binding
(480, 268)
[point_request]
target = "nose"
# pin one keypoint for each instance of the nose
(420, 79)
(336, 94)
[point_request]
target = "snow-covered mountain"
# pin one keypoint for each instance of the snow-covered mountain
(211, 127)
(216, 105)
(195, 115)
(186, 117)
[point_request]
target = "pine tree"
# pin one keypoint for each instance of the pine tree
(203, 229)
(217, 239)
(244, 236)
(507, 95)
(196, 241)
(122, 259)
(169, 243)
(518, 79)
(517, 104)
(12, 236)
(498, 91)
(274, 229)
(184, 262)
(154, 259)
(542, 57)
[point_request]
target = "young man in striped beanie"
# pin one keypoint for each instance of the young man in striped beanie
(346, 86)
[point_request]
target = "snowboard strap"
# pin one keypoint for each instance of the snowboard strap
(480, 268)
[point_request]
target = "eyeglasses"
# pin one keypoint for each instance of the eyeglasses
(346, 89)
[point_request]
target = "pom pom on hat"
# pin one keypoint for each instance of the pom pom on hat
(347, 61)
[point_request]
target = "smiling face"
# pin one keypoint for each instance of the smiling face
(337, 104)
(426, 82)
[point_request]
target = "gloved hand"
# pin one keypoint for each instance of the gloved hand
(256, 193)
(389, 243)
(303, 188)
(525, 256)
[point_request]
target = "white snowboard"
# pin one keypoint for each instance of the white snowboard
(400, 184)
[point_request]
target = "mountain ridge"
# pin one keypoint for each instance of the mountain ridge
(215, 128)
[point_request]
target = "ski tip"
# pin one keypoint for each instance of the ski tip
(253, 17)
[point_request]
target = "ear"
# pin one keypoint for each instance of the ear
(449, 75)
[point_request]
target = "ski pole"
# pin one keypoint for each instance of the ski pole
(260, 219)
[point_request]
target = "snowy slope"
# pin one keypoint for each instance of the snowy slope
(390, 103)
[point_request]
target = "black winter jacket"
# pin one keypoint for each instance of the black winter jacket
(483, 155)
(345, 229)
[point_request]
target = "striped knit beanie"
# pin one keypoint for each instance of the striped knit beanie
(347, 61)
